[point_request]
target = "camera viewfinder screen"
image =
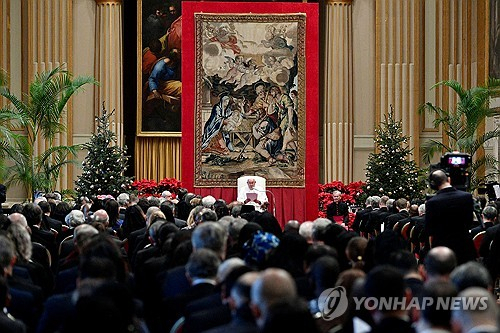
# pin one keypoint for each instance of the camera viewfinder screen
(456, 160)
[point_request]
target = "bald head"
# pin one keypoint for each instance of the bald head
(273, 285)
(440, 262)
(101, 216)
(18, 219)
(467, 317)
(438, 179)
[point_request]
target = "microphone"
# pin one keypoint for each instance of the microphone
(272, 196)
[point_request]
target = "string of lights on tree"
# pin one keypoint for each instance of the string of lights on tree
(104, 166)
(392, 171)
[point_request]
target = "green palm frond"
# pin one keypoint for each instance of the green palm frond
(456, 86)
(460, 126)
(431, 147)
(40, 113)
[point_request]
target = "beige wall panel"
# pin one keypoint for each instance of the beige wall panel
(83, 55)
(363, 40)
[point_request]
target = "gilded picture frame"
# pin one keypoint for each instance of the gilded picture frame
(159, 68)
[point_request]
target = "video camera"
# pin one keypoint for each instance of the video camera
(456, 165)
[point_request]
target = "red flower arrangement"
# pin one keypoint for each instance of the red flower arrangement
(147, 188)
(351, 194)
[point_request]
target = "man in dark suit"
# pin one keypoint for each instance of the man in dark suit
(448, 217)
(402, 208)
(382, 282)
(489, 216)
(376, 217)
(337, 211)
(47, 221)
(201, 271)
(360, 214)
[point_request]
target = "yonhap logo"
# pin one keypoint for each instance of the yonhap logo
(333, 302)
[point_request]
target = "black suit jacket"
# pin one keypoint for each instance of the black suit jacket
(392, 219)
(489, 235)
(448, 218)
(359, 217)
(375, 219)
(175, 306)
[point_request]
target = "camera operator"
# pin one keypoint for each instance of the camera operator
(449, 216)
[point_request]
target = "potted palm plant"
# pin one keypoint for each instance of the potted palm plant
(39, 113)
(460, 126)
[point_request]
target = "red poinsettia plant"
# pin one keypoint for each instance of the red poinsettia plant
(148, 187)
(352, 194)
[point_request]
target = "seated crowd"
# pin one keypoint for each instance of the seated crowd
(187, 263)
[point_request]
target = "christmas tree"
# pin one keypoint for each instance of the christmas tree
(105, 163)
(392, 171)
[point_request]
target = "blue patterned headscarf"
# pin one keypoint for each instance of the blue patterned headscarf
(258, 248)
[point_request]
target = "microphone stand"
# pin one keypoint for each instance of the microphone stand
(273, 198)
(274, 201)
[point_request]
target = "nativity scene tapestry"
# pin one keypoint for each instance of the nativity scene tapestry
(250, 98)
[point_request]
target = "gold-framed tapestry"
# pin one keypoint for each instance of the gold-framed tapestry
(250, 98)
(159, 68)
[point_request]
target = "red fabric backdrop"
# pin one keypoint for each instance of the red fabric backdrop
(291, 203)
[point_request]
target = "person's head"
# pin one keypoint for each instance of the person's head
(22, 241)
(210, 235)
(33, 214)
(471, 274)
(167, 195)
(240, 291)
(45, 206)
(401, 204)
(206, 215)
(432, 314)
(7, 255)
(421, 210)
(100, 258)
(208, 201)
(289, 316)
(153, 231)
(305, 230)
(323, 274)
(82, 234)
(381, 282)
(438, 179)
(466, 317)
(18, 218)
(74, 218)
(272, 286)
(439, 263)
(490, 214)
(383, 201)
(168, 209)
(319, 227)
(375, 201)
(101, 216)
(251, 183)
(202, 264)
(112, 207)
(413, 210)
(355, 251)
(292, 226)
(123, 199)
(336, 195)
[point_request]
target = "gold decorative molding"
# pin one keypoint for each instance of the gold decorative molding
(337, 2)
(103, 2)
